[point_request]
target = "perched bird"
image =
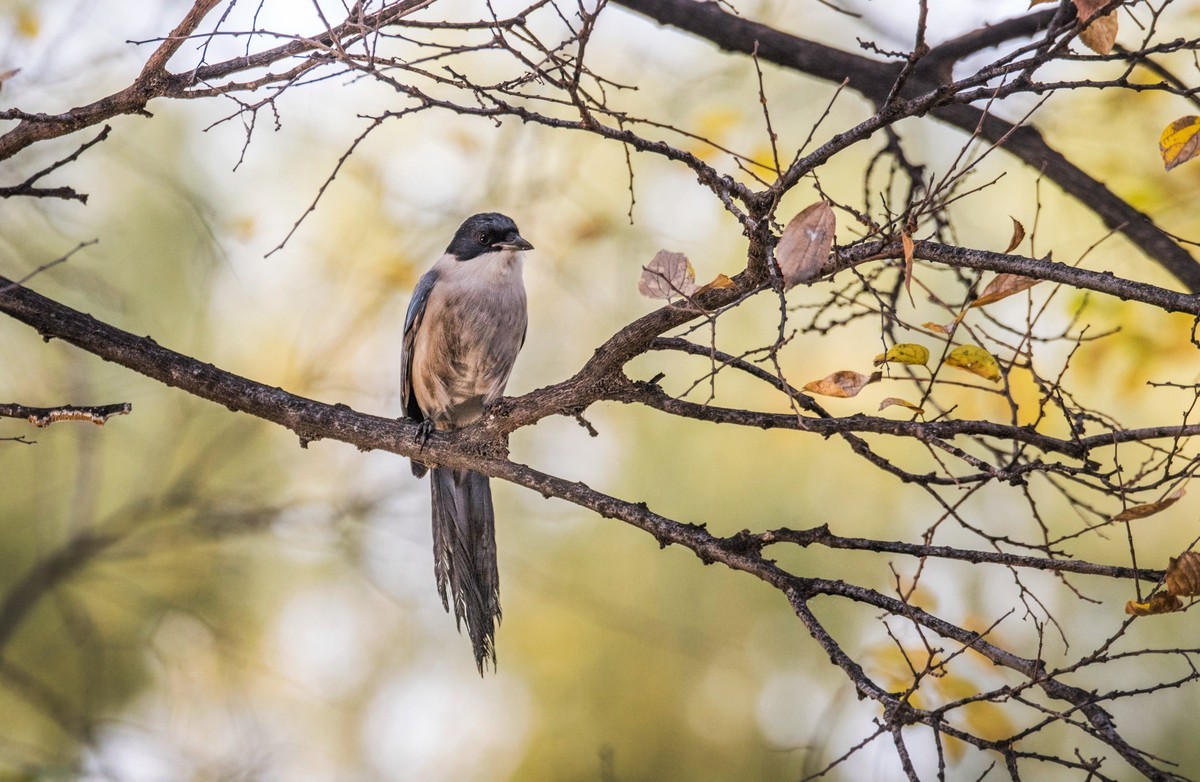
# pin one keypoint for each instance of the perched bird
(465, 325)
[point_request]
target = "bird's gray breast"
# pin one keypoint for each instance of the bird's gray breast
(473, 328)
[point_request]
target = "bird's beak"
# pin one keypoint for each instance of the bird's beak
(513, 242)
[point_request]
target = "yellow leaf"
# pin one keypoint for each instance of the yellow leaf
(1002, 286)
(1161, 603)
(1101, 34)
(666, 276)
(904, 353)
(1150, 508)
(897, 401)
(28, 25)
(843, 384)
(720, 281)
(1017, 236)
(805, 244)
(975, 360)
(1183, 574)
(1180, 141)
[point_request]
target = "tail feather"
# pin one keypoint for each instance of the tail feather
(464, 550)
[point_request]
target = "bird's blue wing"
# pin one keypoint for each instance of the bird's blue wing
(412, 324)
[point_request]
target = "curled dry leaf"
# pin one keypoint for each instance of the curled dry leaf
(845, 383)
(1018, 235)
(1150, 508)
(947, 328)
(666, 276)
(1183, 574)
(904, 353)
(1002, 286)
(805, 244)
(1180, 141)
(975, 360)
(898, 402)
(720, 281)
(1161, 603)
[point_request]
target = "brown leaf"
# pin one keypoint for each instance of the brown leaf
(1018, 235)
(1183, 574)
(1101, 34)
(897, 401)
(805, 244)
(1150, 508)
(1180, 141)
(666, 276)
(844, 383)
(1002, 286)
(1160, 603)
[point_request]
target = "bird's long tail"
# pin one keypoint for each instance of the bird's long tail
(464, 554)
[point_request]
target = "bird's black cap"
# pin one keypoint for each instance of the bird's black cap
(484, 233)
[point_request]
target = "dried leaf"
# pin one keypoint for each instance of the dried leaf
(805, 244)
(976, 360)
(1018, 235)
(1101, 34)
(897, 401)
(1160, 603)
(1002, 286)
(1150, 508)
(844, 383)
(1183, 574)
(1032, 3)
(666, 276)
(904, 353)
(1180, 141)
(946, 329)
(720, 281)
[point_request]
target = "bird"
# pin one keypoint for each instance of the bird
(465, 324)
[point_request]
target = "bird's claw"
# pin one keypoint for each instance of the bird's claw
(424, 429)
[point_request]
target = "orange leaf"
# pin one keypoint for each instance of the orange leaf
(895, 400)
(720, 281)
(844, 383)
(1160, 603)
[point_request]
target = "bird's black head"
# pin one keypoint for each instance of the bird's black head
(486, 233)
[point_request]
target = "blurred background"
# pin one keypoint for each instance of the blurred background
(187, 593)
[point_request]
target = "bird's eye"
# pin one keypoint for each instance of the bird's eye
(483, 239)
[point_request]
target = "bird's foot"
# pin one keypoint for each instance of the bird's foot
(424, 429)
